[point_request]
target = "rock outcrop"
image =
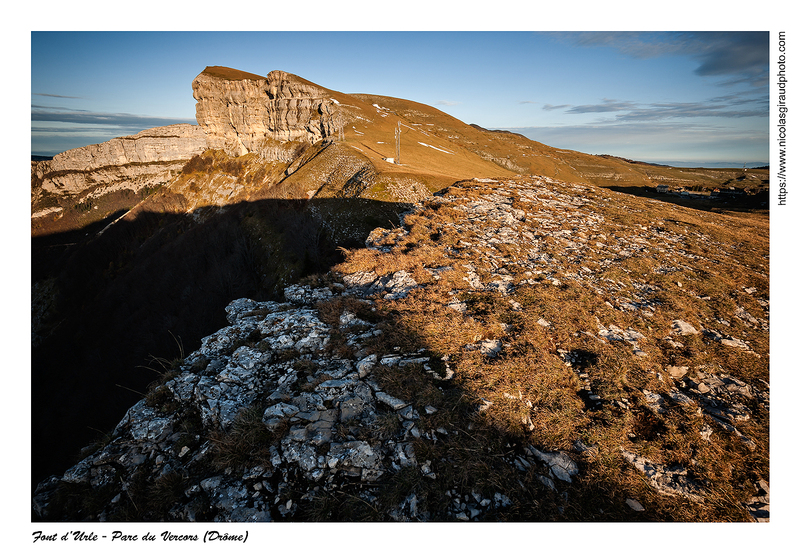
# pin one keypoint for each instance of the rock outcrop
(237, 112)
(147, 158)
(241, 112)
(328, 422)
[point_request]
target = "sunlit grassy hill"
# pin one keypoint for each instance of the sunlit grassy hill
(521, 155)
(384, 148)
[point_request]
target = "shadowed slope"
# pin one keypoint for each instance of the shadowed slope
(149, 283)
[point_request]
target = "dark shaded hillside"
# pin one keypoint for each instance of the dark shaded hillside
(147, 287)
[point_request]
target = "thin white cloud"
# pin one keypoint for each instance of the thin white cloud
(656, 112)
(663, 142)
(551, 107)
(63, 115)
(607, 105)
(52, 108)
(55, 130)
(55, 95)
(730, 106)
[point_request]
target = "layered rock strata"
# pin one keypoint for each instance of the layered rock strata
(242, 113)
(143, 159)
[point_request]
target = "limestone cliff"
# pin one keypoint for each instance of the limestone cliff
(241, 112)
(85, 185)
(144, 157)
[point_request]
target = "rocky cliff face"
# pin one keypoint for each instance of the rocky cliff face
(85, 185)
(242, 113)
(141, 159)
(237, 112)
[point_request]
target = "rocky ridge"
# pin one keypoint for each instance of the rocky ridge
(279, 132)
(294, 400)
(237, 112)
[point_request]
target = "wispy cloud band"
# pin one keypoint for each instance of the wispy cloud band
(740, 56)
(661, 142)
(55, 95)
(723, 106)
(79, 117)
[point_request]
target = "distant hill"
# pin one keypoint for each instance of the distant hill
(392, 147)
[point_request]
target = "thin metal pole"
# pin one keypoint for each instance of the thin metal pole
(397, 143)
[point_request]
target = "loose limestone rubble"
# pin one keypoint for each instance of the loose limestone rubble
(667, 480)
(326, 405)
(332, 423)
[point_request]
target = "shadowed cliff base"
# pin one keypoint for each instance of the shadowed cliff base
(111, 311)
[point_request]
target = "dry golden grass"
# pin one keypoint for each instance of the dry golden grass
(228, 73)
(532, 395)
(247, 442)
(687, 263)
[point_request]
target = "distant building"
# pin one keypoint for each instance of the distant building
(662, 188)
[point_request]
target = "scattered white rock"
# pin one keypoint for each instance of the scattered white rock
(682, 328)
(391, 401)
(561, 465)
(490, 348)
(677, 372)
(322, 403)
(667, 480)
(635, 505)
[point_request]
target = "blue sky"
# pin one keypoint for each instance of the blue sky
(696, 98)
